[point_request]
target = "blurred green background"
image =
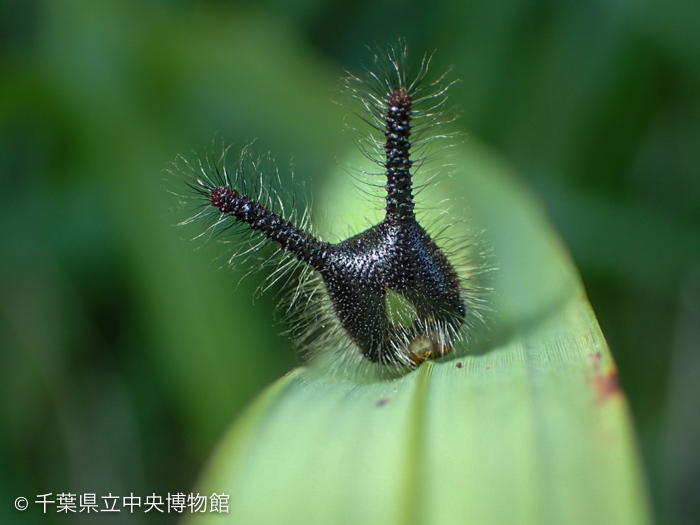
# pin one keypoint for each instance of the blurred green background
(126, 352)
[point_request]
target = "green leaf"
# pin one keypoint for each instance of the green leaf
(528, 425)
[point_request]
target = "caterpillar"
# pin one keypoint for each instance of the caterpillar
(390, 294)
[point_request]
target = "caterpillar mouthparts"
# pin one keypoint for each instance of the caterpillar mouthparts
(393, 293)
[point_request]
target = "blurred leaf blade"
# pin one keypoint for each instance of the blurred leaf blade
(529, 427)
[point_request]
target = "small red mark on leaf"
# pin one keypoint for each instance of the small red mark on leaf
(608, 385)
(459, 364)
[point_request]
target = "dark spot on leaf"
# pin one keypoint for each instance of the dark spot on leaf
(596, 359)
(459, 364)
(383, 402)
(608, 385)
